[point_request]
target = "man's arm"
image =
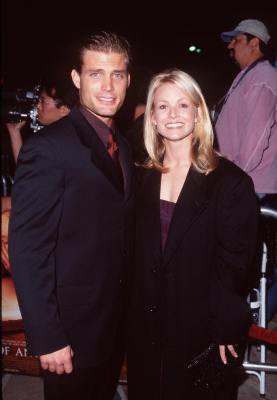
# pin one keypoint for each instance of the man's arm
(257, 119)
(14, 130)
(36, 211)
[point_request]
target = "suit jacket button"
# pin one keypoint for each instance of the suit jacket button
(152, 309)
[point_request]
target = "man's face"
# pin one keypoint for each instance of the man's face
(48, 112)
(102, 83)
(240, 50)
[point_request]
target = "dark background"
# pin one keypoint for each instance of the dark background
(38, 37)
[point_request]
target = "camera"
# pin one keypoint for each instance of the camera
(21, 106)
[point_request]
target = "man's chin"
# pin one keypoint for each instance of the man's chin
(107, 112)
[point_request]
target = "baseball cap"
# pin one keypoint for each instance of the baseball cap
(252, 26)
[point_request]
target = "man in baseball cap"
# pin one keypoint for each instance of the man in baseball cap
(252, 26)
(246, 125)
(246, 117)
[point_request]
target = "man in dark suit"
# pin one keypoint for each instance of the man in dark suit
(71, 231)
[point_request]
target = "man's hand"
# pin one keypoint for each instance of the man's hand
(222, 352)
(59, 361)
(14, 128)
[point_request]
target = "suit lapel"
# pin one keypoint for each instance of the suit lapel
(99, 155)
(126, 162)
(191, 202)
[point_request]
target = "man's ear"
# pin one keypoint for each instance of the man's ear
(255, 43)
(64, 110)
(76, 78)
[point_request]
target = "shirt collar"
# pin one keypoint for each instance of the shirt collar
(99, 126)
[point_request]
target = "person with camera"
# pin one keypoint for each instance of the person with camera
(70, 236)
(56, 98)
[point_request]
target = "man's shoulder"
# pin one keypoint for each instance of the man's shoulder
(58, 127)
(264, 72)
(58, 137)
(59, 132)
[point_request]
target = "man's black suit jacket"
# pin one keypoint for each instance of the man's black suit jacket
(70, 240)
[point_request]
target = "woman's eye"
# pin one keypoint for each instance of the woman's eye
(162, 107)
(184, 105)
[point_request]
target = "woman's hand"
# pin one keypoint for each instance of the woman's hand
(222, 352)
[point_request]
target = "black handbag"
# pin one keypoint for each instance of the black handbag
(207, 371)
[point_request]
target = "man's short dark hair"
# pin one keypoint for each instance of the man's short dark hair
(267, 50)
(106, 42)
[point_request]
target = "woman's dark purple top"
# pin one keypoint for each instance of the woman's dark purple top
(166, 212)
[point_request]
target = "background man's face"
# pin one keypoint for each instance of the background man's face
(240, 50)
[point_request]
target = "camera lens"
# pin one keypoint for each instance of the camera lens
(14, 116)
(21, 106)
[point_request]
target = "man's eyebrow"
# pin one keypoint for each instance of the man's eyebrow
(124, 71)
(120, 71)
(95, 69)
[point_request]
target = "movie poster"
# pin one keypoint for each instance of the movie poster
(14, 353)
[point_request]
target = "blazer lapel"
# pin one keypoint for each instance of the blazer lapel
(191, 202)
(99, 155)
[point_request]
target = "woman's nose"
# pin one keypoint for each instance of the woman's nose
(172, 112)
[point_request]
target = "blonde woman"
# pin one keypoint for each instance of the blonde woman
(196, 233)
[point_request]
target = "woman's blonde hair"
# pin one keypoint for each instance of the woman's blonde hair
(204, 157)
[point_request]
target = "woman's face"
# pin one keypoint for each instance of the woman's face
(174, 114)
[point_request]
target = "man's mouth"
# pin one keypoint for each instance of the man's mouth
(105, 99)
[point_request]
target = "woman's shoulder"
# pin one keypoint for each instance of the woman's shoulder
(147, 181)
(143, 174)
(228, 179)
(227, 171)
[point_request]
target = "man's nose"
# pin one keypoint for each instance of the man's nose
(107, 83)
(231, 45)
